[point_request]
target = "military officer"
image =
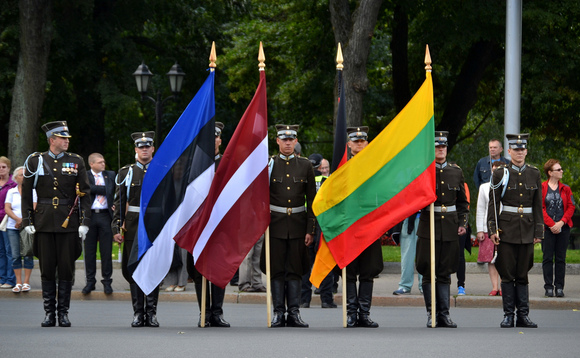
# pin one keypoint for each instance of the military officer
(517, 187)
(214, 313)
(368, 264)
(126, 221)
(60, 220)
(451, 210)
(292, 226)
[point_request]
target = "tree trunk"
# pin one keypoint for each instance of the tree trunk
(464, 94)
(399, 51)
(354, 33)
(30, 82)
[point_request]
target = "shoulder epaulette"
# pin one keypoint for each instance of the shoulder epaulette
(533, 167)
(73, 155)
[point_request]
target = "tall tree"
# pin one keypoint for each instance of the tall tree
(354, 30)
(29, 86)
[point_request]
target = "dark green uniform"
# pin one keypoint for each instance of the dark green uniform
(56, 247)
(292, 186)
(519, 222)
(128, 199)
(451, 212)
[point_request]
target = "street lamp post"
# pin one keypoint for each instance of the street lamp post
(142, 79)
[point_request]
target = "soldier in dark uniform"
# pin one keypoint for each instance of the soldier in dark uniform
(292, 226)
(516, 186)
(368, 264)
(214, 313)
(126, 221)
(451, 211)
(62, 215)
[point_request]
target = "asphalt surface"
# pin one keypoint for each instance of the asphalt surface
(101, 328)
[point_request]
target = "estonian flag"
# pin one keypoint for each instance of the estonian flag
(176, 185)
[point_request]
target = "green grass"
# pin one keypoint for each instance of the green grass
(393, 254)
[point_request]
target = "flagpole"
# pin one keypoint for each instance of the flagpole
(212, 65)
(261, 67)
(340, 67)
(428, 68)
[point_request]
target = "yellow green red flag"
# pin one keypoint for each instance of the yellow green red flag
(393, 177)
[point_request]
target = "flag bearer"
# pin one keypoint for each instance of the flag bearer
(126, 221)
(451, 213)
(292, 226)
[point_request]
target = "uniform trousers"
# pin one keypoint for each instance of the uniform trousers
(446, 260)
(514, 261)
(554, 247)
(367, 265)
(288, 259)
(99, 231)
(57, 253)
(127, 247)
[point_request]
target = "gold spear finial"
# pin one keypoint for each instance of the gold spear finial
(427, 59)
(339, 59)
(212, 57)
(261, 57)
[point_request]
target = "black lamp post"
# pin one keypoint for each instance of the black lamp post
(142, 79)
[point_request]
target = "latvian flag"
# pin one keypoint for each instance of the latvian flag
(237, 210)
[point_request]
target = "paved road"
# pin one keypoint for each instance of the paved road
(101, 328)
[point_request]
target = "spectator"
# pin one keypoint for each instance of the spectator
(486, 246)
(12, 208)
(408, 243)
(558, 208)
(324, 168)
(482, 172)
(7, 278)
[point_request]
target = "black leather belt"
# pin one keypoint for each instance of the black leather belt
(54, 201)
(99, 211)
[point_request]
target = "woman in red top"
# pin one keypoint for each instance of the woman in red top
(558, 208)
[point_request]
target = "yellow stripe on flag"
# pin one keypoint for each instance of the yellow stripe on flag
(323, 264)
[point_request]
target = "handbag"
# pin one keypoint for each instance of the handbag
(26, 243)
(4, 223)
(485, 253)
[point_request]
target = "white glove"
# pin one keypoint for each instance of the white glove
(30, 230)
(83, 229)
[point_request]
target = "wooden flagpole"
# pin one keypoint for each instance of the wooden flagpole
(428, 68)
(212, 66)
(261, 67)
(340, 67)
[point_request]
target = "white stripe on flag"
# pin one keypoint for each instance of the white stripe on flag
(235, 187)
(155, 263)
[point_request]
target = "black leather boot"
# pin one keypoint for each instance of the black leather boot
(64, 290)
(49, 302)
(508, 296)
(278, 297)
(351, 305)
(151, 308)
(138, 301)
(217, 301)
(293, 293)
(523, 306)
(365, 297)
(442, 295)
(427, 298)
(198, 289)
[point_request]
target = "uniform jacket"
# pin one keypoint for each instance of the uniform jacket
(68, 170)
(450, 188)
(129, 218)
(292, 184)
(108, 190)
(567, 201)
(524, 189)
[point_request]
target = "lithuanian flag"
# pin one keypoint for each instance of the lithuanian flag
(393, 177)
